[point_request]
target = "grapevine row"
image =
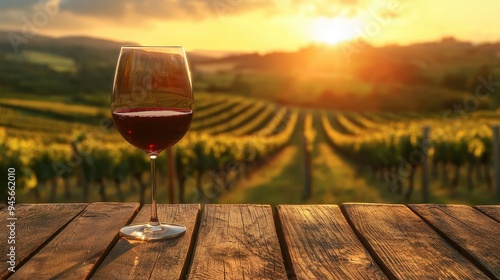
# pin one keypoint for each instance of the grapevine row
(96, 161)
(397, 146)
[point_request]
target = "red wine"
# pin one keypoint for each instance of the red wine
(152, 129)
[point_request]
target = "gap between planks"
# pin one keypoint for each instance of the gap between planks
(26, 258)
(111, 245)
(473, 256)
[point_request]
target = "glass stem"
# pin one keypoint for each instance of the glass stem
(153, 221)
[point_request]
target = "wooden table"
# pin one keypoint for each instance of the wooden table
(353, 241)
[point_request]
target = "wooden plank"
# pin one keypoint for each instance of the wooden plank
(471, 232)
(166, 259)
(493, 211)
(320, 244)
(35, 225)
(237, 242)
(405, 246)
(73, 253)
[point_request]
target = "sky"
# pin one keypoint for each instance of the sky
(255, 25)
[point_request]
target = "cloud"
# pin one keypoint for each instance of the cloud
(95, 8)
(168, 10)
(77, 16)
(19, 4)
(323, 8)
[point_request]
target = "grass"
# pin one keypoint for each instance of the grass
(290, 86)
(24, 117)
(337, 182)
(281, 180)
(55, 62)
(53, 106)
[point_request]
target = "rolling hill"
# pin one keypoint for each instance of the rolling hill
(351, 76)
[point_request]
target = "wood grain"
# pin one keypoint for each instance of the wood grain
(473, 233)
(322, 245)
(73, 253)
(35, 225)
(237, 242)
(405, 246)
(164, 259)
(491, 210)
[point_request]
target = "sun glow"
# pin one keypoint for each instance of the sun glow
(334, 30)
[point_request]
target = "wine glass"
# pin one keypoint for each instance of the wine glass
(152, 108)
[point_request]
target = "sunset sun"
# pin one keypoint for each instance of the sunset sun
(334, 30)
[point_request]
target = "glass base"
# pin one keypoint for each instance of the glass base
(147, 232)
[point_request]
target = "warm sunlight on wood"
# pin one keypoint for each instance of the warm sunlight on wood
(334, 30)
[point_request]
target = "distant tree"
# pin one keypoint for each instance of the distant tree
(457, 81)
(391, 72)
(240, 85)
(486, 73)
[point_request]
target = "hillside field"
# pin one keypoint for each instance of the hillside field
(263, 164)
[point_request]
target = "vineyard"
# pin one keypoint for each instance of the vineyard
(244, 133)
(72, 153)
(397, 149)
